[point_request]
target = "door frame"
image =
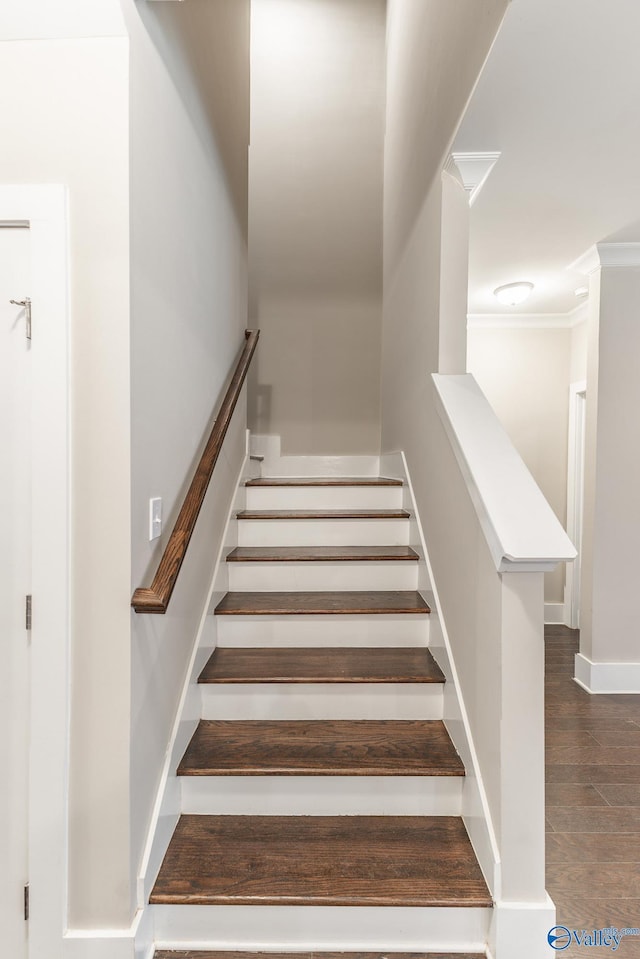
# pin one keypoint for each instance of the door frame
(575, 498)
(44, 209)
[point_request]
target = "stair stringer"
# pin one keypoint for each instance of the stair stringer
(168, 803)
(475, 808)
(517, 928)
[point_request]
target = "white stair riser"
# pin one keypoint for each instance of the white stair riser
(322, 795)
(324, 497)
(322, 630)
(292, 465)
(305, 576)
(322, 700)
(323, 532)
(309, 928)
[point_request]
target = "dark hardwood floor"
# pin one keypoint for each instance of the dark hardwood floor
(593, 802)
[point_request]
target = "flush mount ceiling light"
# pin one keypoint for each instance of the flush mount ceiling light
(582, 291)
(511, 294)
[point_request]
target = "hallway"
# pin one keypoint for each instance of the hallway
(592, 801)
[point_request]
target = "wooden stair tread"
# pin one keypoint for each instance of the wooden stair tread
(322, 665)
(323, 481)
(320, 602)
(333, 514)
(326, 554)
(189, 954)
(321, 860)
(321, 748)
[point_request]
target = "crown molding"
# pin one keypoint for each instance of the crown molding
(472, 169)
(586, 264)
(610, 256)
(451, 168)
(528, 321)
(619, 255)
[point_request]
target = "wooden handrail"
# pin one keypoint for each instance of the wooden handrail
(155, 599)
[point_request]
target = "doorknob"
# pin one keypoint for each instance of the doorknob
(26, 305)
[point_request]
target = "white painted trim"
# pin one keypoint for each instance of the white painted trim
(266, 701)
(607, 677)
(528, 321)
(390, 531)
(144, 937)
(324, 497)
(587, 263)
(520, 929)
(475, 805)
(575, 497)
(311, 630)
(277, 464)
(167, 806)
(614, 256)
(321, 928)
(351, 575)
(45, 209)
(521, 529)
(619, 256)
(135, 942)
(554, 613)
(322, 795)
(100, 944)
(474, 170)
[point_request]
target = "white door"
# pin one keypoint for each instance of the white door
(15, 585)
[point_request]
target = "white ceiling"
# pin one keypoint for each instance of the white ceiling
(560, 98)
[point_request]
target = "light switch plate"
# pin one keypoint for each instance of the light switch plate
(155, 517)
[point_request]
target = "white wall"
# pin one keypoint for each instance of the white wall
(434, 54)
(66, 121)
(611, 505)
(189, 139)
(186, 167)
(454, 264)
(317, 102)
(42, 20)
(579, 341)
(525, 375)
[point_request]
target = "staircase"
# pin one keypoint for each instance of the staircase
(321, 773)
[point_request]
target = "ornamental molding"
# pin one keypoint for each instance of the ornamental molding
(528, 321)
(609, 256)
(472, 169)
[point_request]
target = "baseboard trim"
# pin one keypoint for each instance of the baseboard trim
(521, 928)
(599, 678)
(136, 942)
(555, 614)
(100, 944)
